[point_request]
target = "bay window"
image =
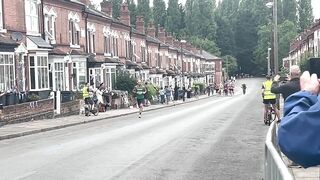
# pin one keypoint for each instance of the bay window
(31, 13)
(7, 79)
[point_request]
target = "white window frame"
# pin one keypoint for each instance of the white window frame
(109, 71)
(38, 75)
(7, 71)
(91, 37)
(81, 71)
(74, 17)
(32, 17)
(97, 75)
(56, 73)
(50, 33)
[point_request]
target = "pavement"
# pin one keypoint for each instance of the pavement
(32, 127)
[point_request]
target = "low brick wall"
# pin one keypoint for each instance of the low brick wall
(42, 109)
(69, 108)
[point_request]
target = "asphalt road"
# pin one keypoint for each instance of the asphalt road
(217, 138)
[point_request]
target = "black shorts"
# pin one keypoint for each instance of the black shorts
(269, 101)
(140, 101)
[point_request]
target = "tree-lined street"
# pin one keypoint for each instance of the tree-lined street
(215, 138)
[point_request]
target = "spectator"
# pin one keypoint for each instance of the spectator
(290, 87)
(299, 131)
(162, 95)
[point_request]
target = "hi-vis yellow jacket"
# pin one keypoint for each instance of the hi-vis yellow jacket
(267, 94)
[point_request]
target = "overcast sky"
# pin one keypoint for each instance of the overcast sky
(315, 5)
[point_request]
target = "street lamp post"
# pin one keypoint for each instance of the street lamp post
(275, 33)
(183, 81)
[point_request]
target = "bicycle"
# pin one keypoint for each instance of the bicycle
(270, 116)
(91, 107)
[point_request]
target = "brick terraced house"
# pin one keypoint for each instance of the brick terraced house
(51, 45)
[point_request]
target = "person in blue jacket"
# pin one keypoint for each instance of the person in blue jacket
(299, 131)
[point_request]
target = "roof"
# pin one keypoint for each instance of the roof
(209, 56)
(57, 51)
(7, 41)
(137, 32)
(97, 13)
(152, 39)
(41, 43)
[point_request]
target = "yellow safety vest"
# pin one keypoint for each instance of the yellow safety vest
(267, 90)
(85, 92)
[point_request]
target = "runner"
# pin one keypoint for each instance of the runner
(139, 91)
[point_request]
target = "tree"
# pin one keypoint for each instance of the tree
(205, 44)
(173, 17)
(125, 82)
(261, 50)
(287, 32)
(133, 12)
(116, 4)
(230, 64)
(290, 10)
(143, 9)
(159, 12)
(305, 14)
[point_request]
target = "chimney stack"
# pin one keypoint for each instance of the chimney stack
(140, 24)
(151, 30)
(162, 34)
(169, 40)
(125, 14)
(106, 7)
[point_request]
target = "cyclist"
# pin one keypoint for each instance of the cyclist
(269, 98)
(139, 90)
(87, 93)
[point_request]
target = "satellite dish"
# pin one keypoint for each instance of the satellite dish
(16, 36)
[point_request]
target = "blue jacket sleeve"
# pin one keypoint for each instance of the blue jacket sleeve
(299, 131)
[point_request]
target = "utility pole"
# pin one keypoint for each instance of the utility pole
(275, 36)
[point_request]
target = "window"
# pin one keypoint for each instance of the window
(39, 72)
(107, 45)
(7, 79)
(91, 42)
(95, 76)
(127, 45)
(32, 20)
(110, 77)
(59, 83)
(91, 37)
(74, 33)
(78, 75)
(143, 54)
(115, 46)
(1, 15)
(149, 58)
(50, 25)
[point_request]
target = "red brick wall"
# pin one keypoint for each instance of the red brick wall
(27, 111)
(62, 24)
(14, 15)
(70, 108)
(152, 48)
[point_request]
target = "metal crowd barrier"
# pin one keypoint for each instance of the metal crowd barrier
(274, 167)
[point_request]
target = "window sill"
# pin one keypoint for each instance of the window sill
(33, 34)
(3, 30)
(75, 46)
(107, 54)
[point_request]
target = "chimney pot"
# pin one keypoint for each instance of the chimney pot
(106, 7)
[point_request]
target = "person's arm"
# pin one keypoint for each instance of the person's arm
(299, 131)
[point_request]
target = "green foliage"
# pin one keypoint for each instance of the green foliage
(304, 64)
(143, 9)
(116, 4)
(125, 82)
(159, 12)
(230, 64)
(261, 50)
(33, 97)
(287, 32)
(173, 17)
(200, 86)
(290, 10)
(305, 14)
(205, 44)
(152, 91)
(133, 12)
